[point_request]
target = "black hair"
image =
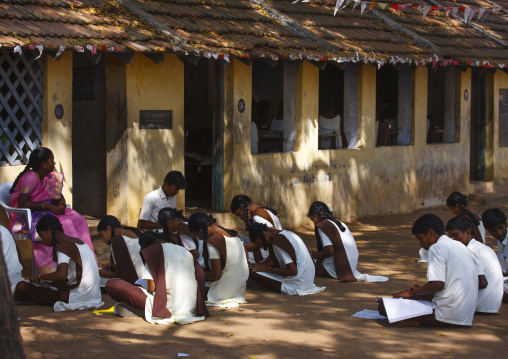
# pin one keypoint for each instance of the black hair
(35, 160)
(426, 222)
(50, 222)
(460, 223)
(256, 231)
(243, 200)
(493, 217)
(457, 198)
(200, 220)
(165, 214)
(323, 211)
(146, 239)
(113, 222)
(176, 178)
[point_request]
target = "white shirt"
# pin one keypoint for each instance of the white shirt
(502, 253)
(258, 219)
(88, 293)
(153, 202)
(14, 268)
(490, 298)
(133, 247)
(188, 243)
(451, 262)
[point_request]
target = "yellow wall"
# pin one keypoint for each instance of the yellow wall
(151, 154)
(356, 182)
(56, 134)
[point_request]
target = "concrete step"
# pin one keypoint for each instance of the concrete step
(489, 199)
(482, 187)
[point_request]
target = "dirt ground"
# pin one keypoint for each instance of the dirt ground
(280, 326)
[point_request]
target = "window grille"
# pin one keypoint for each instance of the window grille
(21, 93)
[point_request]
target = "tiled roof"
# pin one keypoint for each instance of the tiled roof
(256, 28)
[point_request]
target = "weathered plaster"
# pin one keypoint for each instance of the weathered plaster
(500, 154)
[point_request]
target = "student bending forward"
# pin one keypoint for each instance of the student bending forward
(75, 283)
(226, 269)
(292, 271)
(175, 286)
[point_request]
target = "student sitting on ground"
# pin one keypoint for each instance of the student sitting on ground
(337, 255)
(457, 203)
(176, 230)
(292, 271)
(75, 283)
(226, 269)
(490, 277)
(164, 196)
(250, 213)
(175, 286)
(495, 222)
(12, 257)
(125, 260)
(452, 285)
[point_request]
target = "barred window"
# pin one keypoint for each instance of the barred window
(21, 92)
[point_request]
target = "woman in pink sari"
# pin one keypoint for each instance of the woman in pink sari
(39, 188)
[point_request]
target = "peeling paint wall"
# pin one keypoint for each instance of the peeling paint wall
(355, 182)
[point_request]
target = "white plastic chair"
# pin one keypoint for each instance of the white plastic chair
(5, 201)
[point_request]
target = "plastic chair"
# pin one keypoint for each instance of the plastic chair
(5, 201)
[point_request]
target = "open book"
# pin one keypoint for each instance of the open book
(398, 309)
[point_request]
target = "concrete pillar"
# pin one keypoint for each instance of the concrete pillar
(57, 133)
(367, 106)
(116, 138)
(351, 104)
(404, 109)
(489, 132)
(449, 111)
(420, 106)
(289, 106)
(307, 107)
(237, 125)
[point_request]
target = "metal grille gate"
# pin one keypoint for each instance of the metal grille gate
(21, 92)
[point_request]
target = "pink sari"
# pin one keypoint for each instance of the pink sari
(49, 191)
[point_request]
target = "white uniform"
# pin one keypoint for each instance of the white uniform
(134, 248)
(10, 253)
(451, 262)
(181, 287)
(88, 294)
(490, 298)
(229, 290)
(153, 202)
(352, 255)
(502, 255)
(303, 282)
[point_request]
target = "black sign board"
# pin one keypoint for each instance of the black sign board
(155, 120)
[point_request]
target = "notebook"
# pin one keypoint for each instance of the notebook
(398, 309)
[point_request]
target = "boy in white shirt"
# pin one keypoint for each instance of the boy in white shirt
(452, 285)
(490, 278)
(494, 221)
(162, 197)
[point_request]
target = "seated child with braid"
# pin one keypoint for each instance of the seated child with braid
(490, 277)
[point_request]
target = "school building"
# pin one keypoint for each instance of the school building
(126, 91)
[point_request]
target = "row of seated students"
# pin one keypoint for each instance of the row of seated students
(212, 257)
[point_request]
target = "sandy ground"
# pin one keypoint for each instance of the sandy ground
(280, 326)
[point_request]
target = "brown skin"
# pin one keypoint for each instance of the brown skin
(63, 268)
(24, 200)
(290, 269)
(499, 233)
(106, 238)
(170, 190)
(465, 238)
(240, 213)
(426, 241)
(327, 251)
(216, 271)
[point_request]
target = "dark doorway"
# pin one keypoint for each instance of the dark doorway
(478, 126)
(204, 133)
(89, 135)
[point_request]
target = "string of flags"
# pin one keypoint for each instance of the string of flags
(366, 6)
(378, 61)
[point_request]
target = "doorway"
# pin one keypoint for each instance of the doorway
(204, 133)
(478, 148)
(89, 134)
